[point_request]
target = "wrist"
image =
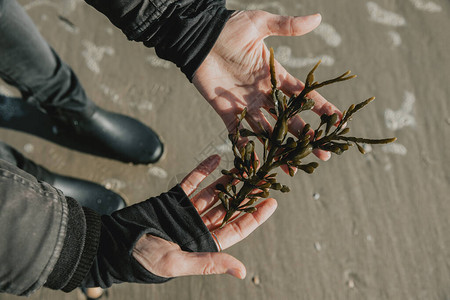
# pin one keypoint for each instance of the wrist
(189, 38)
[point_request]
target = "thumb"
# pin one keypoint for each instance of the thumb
(207, 263)
(291, 26)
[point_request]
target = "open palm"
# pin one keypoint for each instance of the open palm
(236, 72)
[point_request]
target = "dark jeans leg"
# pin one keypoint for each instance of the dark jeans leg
(14, 157)
(33, 222)
(86, 193)
(28, 62)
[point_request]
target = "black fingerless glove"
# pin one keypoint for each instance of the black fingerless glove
(170, 216)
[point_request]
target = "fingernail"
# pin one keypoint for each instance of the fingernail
(316, 16)
(236, 273)
(327, 157)
(213, 159)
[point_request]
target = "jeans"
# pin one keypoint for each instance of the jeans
(33, 220)
(16, 159)
(30, 64)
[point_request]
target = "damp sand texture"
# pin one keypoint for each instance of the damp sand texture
(361, 227)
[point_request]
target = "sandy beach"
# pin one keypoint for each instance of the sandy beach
(361, 227)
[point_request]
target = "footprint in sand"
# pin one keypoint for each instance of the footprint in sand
(396, 39)
(274, 7)
(329, 34)
(157, 172)
(109, 92)
(63, 6)
(155, 61)
(113, 184)
(94, 54)
(395, 148)
(382, 16)
(427, 6)
(284, 57)
(397, 119)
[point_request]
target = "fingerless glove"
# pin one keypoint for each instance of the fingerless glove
(170, 216)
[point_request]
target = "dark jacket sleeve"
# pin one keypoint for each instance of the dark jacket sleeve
(182, 32)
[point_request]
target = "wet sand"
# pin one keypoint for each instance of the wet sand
(361, 227)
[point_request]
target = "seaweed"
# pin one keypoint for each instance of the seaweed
(255, 177)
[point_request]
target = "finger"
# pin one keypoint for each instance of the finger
(239, 229)
(292, 85)
(322, 154)
(291, 26)
(258, 121)
(213, 219)
(285, 169)
(322, 106)
(231, 122)
(198, 263)
(295, 124)
(190, 183)
(207, 197)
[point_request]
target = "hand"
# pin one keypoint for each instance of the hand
(166, 259)
(236, 73)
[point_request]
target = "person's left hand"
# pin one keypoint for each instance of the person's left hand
(166, 259)
(236, 74)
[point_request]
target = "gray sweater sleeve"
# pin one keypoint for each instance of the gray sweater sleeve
(33, 221)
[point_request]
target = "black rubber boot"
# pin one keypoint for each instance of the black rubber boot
(98, 132)
(88, 194)
(115, 136)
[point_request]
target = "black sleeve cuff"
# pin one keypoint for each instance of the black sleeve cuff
(79, 249)
(93, 226)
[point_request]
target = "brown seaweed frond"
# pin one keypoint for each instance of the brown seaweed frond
(253, 179)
